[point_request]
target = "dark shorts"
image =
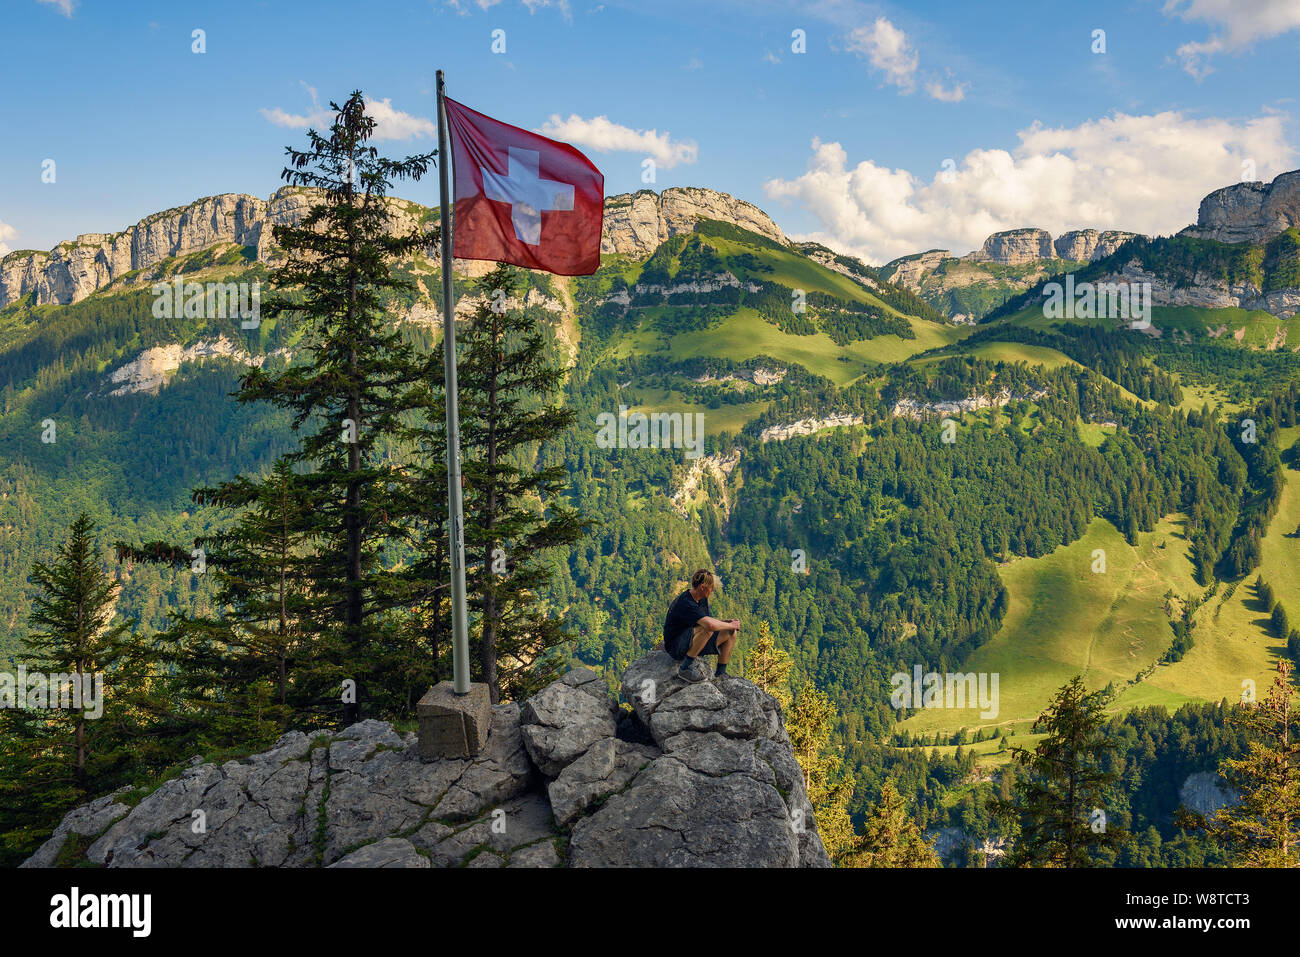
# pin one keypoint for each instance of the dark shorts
(682, 644)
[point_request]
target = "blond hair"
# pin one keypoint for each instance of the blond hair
(702, 577)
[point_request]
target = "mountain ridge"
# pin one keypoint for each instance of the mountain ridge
(635, 224)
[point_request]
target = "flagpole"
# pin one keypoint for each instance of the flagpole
(455, 505)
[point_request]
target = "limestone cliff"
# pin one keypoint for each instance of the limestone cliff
(634, 224)
(683, 775)
(1015, 246)
(1249, 212)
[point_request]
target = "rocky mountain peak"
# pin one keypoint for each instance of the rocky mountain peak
(636, 223)
(1012, 247)
(1249, 212)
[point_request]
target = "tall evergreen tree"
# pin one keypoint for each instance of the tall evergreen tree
(361, 381)
(243, 671)
(1060, 801)
(56, 755)
(514, 511)
(71, 618)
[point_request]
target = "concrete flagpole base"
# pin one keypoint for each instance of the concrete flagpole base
(452, 725)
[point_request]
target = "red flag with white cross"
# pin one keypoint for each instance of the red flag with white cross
(522, 198)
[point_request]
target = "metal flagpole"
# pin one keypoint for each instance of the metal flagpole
(455, 506)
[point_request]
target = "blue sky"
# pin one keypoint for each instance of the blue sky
(845, 142)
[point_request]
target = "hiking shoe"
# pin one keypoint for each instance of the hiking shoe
(690, 675)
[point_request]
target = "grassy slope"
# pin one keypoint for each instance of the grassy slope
(1063, 620)
(1233, 641)
(1118, 624)
(746, 334)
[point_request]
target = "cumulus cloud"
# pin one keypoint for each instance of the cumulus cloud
(1142, 173)
(1238, 24)
(65, 7)
(390, 122)
(887, 49)
(599, 133)
(7, 232)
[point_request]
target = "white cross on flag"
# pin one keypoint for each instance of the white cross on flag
(522, 198)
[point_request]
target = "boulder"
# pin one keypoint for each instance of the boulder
(692, 775)
(560, 723)
(606, 767)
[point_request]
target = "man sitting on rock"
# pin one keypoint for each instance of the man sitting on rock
(690, 631)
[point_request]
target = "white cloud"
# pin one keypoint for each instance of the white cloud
(887, 49)
(393, 124)
(955, 95)
(1143, 173)
(1238, 23)
(390, 123)
(599, 133)
(66, 7)
(6, 232)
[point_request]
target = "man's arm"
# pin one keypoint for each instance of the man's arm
(715, 624)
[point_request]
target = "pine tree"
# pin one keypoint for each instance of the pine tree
(810, 722)
(514, 511)
(1060, 802)
(73, 612)
(244, 672)
(768, 666)
(352, 398)
(890, 837)
(1263, 829)
(56, 755)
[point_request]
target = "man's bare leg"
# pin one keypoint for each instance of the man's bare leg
(726, 645)
(698, 640)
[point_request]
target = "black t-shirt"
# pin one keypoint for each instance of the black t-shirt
(685, 612)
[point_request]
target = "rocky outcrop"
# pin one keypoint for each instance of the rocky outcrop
(720, 467)
(1086, 245)
(724, 788)
(71, 271)
(1249, 212)
(778, 433)
(636, 223)
(150, 370)
(915, 409)
(1205, 792)
(1205, 291)
(691, 775)
(910, 270)
(1015, 246)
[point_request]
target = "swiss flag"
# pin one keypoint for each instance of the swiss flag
(522, 198)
